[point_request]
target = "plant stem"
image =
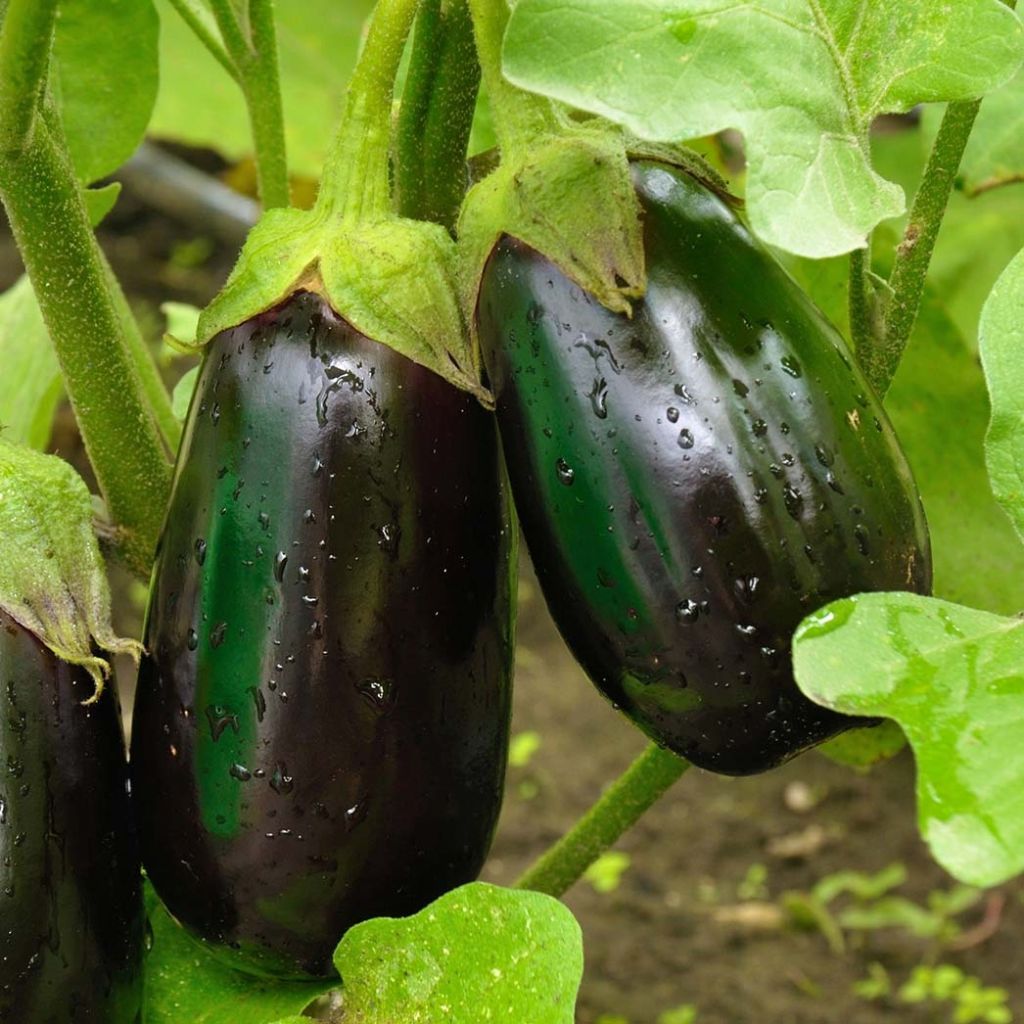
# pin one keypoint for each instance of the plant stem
(425, 55)
(437, 116)
(616, 811)
(195, 17)
(266, 108)
(256, 62)
(356, 183)
(860, 320)
(25, 40)
(156, 394)
(914, 253)
(51, 226)
(519, 117)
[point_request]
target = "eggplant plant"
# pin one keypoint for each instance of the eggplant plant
(642, 278)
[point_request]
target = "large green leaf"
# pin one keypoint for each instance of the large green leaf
(30, 386)
(953, 678)
(939, 406)
(105, 77)
(802, 79)
(479, 953)
(1002, 352)
(199, 104)
(185, 985)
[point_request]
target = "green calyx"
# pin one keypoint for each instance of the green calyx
(52, 578)
(393, 279)
(571, 198)
(563, 187)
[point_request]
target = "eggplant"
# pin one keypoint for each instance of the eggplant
(71, 914)
(321, 721)
(692, 481)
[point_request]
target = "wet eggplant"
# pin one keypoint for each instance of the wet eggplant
(694, 480)
(71, 915)
(321, 723)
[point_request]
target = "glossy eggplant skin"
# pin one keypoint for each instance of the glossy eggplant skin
(695, 480)
(321, 723)
(71, 916)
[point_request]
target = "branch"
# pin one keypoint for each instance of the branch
(196, 18)
(617, 810)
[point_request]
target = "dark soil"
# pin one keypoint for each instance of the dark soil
(688, 922)
(678, 930)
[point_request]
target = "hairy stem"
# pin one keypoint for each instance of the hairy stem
(262, 78)
(255, 60)
(157, 396)
(50, 222)
(437, 114)
(194, 15)
(914, 254)
(356, 183)
(26, 37)
(424, 57)
(616, 811)
(519, 117)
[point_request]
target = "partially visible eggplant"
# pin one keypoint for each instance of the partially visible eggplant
(71, 915)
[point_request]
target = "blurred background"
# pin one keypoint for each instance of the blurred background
(804, 896)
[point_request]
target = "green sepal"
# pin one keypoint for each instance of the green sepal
(683, 157)
(52, 578)
(571, 198)
(394, 280)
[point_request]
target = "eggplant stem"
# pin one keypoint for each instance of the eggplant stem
(616, 811)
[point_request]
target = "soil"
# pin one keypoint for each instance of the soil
(698, 916)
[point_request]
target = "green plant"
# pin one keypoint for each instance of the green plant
(576, 90)
(872, 905)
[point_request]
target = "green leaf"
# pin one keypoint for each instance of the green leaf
(201, 105)
(183, 393)
(182, 321)
(893, 912)
(863, 748)
(105, 78)
(100, 201)
(605, 874)
(686, 1014)
(978, 558)
(478, 953)
(186, 985)
(52, 577)
(30, 386)
(522, 748)
(1002, 352)
(953, 679)
(860, 886)
(677, 69)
